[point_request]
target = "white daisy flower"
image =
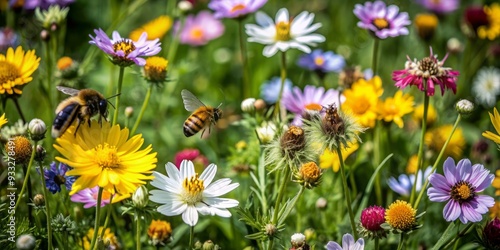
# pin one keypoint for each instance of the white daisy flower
(486, 86)
(284, 33)
(184, 192)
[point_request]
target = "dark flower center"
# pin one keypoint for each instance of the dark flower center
(59, 180)
(462, 192)
(429, 64)
(124, 45)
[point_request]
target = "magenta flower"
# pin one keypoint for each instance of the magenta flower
(425, 74)
(313, 99)
(460, 186)
(441, 6)
(124, 51)
(89, 197)
(235, 8)
(200, 161)
(383, 21)
(200, 29)
(371, 219)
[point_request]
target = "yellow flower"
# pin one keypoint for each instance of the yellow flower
(496, 182)
(361, 100)
(3, 120)
(418, 114)
(394, 108)
(426, 25)
(495, 120)
(16, 69)
(330, 159)
(159, 232)
(155, 28)
(412, 165)
(105, 156)
(19, 148)
(401, 215)
(64, 63)
(436, 138)
(109, 239)
(495, 210)
(492, 29)
(155, 69)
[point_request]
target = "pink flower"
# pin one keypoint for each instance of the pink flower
(88, 196)
(199, 160)
(200, 29)
(425, 74)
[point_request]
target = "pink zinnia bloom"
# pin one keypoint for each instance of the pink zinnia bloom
(425, 74)
(200, 29)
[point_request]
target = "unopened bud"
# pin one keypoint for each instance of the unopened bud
(39, 200)
(129, 111)
(26, 242)
(298, 240)
(37, 129)
(40, 153)
(185, 6)
(271, 229)
(321, 203)
(45, 35)
(464, 107)
(247, 105)
(259, 104)
(140, 197)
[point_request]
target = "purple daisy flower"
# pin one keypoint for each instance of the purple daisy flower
(42, 4)
(441, 6)
(124, 51)
(460, 186)
(404, 183)
(270, 90)
(323, 62)
(56, 176)
(347, 244)
(235, 8)
(313, 99)
(383, 21)
(200, 29)
(8, 38)
(88, 196)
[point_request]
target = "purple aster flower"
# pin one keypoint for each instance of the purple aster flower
(404, 183)
(441, 6)
(200, 29)
(425, 74)
(313, 99)
(42, 4)
(56, 176)
(124, 51)
(235, 8)
(347, 244)
(88, 196)
(323, 62)
(8, 38)
(383, 21)
(460, 186)
(269, 91)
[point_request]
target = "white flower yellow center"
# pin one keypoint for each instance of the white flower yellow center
(283, 31)
(8, 72)
(106, 156)
(193, 190)
(125, 45)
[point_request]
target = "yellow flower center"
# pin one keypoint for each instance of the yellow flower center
(400, 215)
(196, 33)
(193, 190)
(106, 156)
(391, 108)
(156, 68)
(361, 106)
(462, 192)
(313, 106)
(64, 63)
(380, 23)
(125, 45)
(19, 148)
(283, 31)
(319, 61)
(238, 7)
(8, 72)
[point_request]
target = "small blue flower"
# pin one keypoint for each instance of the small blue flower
(404, 183)
(322, 61)
(269, 91)
(56, 176)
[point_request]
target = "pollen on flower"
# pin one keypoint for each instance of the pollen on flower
(283, 31)
(193, 190)
(106, 156)
(319, 61)
(8, 72)
(380, 23)
(64, 63)
(400, 215)
(125, 45)
(155, 69)
(429, 66)
(313, 106)
(238, 7)
(462, 192)
(196, 33)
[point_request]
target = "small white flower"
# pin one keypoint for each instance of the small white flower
(184, 192)
(266, 132)
(486, 86)
(284, 33)
(298, 239)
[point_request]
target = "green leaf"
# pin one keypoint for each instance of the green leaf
(448, 234)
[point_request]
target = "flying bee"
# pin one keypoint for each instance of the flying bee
(202, 116)
(82, 105)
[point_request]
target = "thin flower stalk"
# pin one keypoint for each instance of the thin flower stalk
(97, 216)
(281, 192)
(118, 91)
(376, 156)
(456, 239)
(108, 215)
(420, 155)
(247, 89)
(426, 183)
(47, 207)
(283, 78)
(401, 242)
(376, 43)
(18, 107)
(347, 194)
(191, 237)
(143, 109)
(26, 178)
(137, 231)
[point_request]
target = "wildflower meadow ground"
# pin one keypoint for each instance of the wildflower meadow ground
(249, 124)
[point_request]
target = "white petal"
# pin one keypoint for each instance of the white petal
(313, 38)
(208, 174)
(219, 188)
(302, 21)
(297, 32)
(172, 171)
(221, 202)
(187, 169)
(270, 50)
(164, 183)
(173, 209)
(282, 15)
(263, 20)
(190, 216)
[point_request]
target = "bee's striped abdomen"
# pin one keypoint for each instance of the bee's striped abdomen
(194, 123)
(64, 119)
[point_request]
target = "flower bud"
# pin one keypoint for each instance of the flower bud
(185, 6)
(298, 240)
(491, 234)
(26, 242)
(44, 35)
(39, 200)
(40, 153)
(140, 197)
(321, 203)
(247, 105)
(37, 129)
(464, 107)
(454, 45)
(209, 245)
(259, 104)
(270, 229)
(310, 234)
(129, 111)
(266, 132)
(309, 175)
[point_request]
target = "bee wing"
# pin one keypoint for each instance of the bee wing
(68, 91)
(191, 103)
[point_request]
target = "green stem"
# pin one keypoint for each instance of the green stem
(108, 213)
(420, 155)
(97, 215)
(47, 206)
(191, 237)
(376, 156)
(143, 109)
(375, 56)
(401, 241)
(459, 235)
(118, 91)
(247, 91)
(26, 178)
(19, 111)
(48, 61)
(424, 187)
(377, 247)
(138, 232)
(283, 78)
(347, 194)
(281, 192)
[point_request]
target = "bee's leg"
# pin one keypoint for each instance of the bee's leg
(202, 132)
(88, 121)
(78, 126)
(100, 120)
